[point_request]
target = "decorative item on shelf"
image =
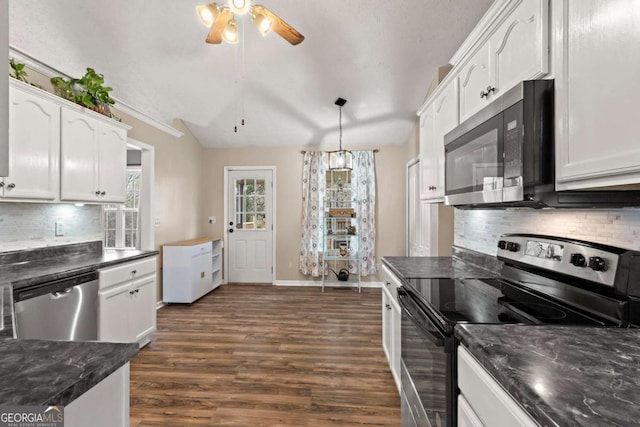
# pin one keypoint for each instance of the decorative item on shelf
(341, 159)
(342, 212)
(342, 275)
(87, 91)
(19, 73)
(351, 229)
(343, 249)
(330, 231)
(333, 252)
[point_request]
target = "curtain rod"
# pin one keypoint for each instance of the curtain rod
(375, 150)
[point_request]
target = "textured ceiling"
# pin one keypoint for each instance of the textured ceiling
(378, 54)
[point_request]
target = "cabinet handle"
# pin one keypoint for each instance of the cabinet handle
(1, 184)
(98, 193)
(133, 272)
(388, 284)
(103, 193)
(483, 94)
(490, 89)
(388, 306)
(131, 292)
(11, 186)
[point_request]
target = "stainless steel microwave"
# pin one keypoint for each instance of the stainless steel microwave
(503, 156)
(505, 151)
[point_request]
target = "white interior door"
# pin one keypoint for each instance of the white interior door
(250, 226)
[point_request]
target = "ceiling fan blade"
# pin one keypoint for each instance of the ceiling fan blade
(285, 30)
(215, 35)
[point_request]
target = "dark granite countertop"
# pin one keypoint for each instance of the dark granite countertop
(563, 376)
(435, 267)
(37, 372)
(26, 268)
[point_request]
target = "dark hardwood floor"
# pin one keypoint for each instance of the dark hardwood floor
(260, 355)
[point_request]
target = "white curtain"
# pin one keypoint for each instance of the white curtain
(313, 191)
(363, 178)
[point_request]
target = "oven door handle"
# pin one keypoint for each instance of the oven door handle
(433, 336)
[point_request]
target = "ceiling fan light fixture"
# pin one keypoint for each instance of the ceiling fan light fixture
(240, 7)
(230, 34)
(264, 24)
(208, 13)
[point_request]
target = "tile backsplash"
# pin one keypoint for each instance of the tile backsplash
(32, 225)
(479, 229)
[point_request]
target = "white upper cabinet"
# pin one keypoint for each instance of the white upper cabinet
(597, 68)
(4, 89)
(34, 145)
(93, 159)
(112, 163)
(474, 78)
(516, 50)
(439, 118)
(520, 46)
(428, 160)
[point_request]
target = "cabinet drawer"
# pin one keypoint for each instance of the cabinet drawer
(201, 249)
(128, 271)
(490, 402)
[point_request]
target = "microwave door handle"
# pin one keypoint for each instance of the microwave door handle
(437, 339)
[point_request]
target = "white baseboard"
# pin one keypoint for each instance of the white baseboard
(319, 284)
(159, 305)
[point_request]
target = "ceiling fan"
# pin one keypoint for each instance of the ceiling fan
(223, 26)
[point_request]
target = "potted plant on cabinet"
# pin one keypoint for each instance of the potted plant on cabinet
(88, 91)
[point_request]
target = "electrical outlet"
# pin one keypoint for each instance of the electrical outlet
(59, 228)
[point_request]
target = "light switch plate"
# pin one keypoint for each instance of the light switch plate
(59, 228)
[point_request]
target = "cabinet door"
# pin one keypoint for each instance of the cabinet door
(4, 89)
(466, 416)
(520, 46)
(112, 164)
(114, 314)
(34, 147)
(428, 161)
(445, 120)
(143, 308)
(597, 94)
(473, 80)
(201, 272)
(79, 157)
(386, 325)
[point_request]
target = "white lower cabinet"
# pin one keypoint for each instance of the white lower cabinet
(391, 323)
(104, 405)
(190, 269)
(482, 401)
(126, 302)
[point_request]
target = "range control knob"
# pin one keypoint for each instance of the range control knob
(513, 247)
(596, 263)
(578, 260)
(502, 244)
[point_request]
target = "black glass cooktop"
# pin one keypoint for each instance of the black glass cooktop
(451, 301)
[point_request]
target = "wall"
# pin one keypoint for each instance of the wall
(390, 166)
(479, 229)
(32, 225)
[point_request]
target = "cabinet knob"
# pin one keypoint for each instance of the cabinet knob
(1, 184)
(103, 193)
(137, 290)
(388, 306)
(11, 186)
(483, 94)
(490, 89)
(132, 292)
(133, 272)
(98, 193)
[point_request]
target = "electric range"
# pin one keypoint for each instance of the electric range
(544, 280)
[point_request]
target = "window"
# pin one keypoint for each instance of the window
(121, 224)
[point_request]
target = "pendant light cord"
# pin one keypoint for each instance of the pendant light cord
(341, 128)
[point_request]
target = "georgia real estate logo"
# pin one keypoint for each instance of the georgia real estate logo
(32, 416)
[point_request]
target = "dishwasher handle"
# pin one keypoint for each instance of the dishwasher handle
(57, 288)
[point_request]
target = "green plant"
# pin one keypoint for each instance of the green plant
(19, 72)
(64, 88)
(91, 91)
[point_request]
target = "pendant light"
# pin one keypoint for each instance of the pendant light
(341, 159)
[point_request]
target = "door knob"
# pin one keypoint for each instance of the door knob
(231, 223)
(231, 230)
(11, 186)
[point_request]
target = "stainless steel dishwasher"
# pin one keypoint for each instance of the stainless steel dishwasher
(64, 309)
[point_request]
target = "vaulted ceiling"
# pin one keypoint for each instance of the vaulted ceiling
(380, 55)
